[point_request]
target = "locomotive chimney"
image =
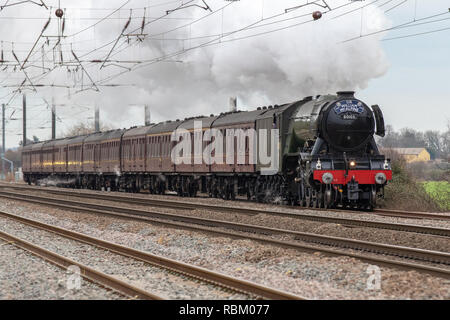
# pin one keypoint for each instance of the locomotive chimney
(97, 118)
(233, 104)
(346, 94)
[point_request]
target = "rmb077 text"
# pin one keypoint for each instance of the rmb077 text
(246, 309)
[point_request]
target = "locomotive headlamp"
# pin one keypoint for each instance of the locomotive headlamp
(319, 165)
(352, 163)
(380, 178)
(327, 178)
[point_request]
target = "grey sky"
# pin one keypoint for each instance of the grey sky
(415, 92)
(407, 77)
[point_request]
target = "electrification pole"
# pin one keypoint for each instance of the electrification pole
(24, 103)
(3, 142)
(53, 119)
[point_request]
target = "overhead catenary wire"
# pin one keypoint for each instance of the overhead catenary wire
(411, 23)
(41, 3)
(396, 6)
(213, 39)
(217, 41)
(212, 42)
(417, 34)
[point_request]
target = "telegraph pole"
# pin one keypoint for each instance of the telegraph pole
(24, 143)
(53, 119)
(3, 142)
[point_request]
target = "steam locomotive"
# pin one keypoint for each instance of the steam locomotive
(323, 147)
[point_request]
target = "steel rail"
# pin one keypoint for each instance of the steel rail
(88, 273)
(188, 270)
(200, 225)
(178, 204)
(411, 214)
(250, 211)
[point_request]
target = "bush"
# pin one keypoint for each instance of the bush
(404, 192)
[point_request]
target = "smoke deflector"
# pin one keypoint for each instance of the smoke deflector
(379, 120)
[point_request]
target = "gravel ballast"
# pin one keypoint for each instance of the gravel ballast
(407, 239)
(314, 276)
(24, 276)
(153, 279)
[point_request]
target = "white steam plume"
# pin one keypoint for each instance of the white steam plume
(274, 68)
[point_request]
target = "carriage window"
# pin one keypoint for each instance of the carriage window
(168, 145)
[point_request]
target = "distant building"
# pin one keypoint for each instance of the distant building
(413, 154)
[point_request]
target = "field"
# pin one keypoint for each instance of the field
(439, 191)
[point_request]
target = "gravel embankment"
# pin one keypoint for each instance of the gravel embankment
(153, 279)
(25, 276)
(314, 276)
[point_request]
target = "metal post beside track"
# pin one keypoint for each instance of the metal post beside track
(3, 142)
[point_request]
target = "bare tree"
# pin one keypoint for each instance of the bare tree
(446, 142)
(83, 128)
(391, 139)
(434, 143)
(411, 138)
(437, 143)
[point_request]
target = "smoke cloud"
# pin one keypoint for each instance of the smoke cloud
(277, 67)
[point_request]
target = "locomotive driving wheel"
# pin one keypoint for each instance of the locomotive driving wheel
(320, 199)
(373, 198)
(327, 198)
(308, 197)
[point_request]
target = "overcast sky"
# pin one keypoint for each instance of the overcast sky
(235, 50)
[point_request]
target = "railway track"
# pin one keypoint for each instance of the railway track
(190, 205)
(411, 214)
(366, 251)
(225, 282)
(86, 272)
(246, 211)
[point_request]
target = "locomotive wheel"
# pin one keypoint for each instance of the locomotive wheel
(315, 199)
(321, 199)
(373, 197)
(308, 197)
(328, 199)
(178, 188)
(318, 199)
(303, 202)
(232, 194)
(192, 191)
(302, 195)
